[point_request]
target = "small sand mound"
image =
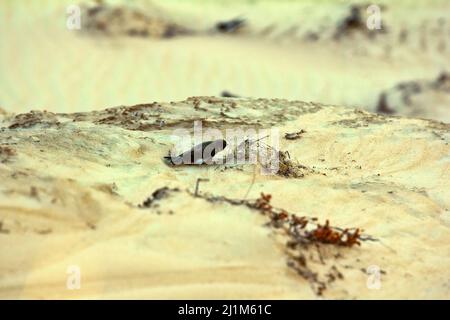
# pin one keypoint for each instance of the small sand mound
(414, 98)
(128, 21)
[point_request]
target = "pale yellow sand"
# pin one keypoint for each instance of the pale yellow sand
(68, 193)
(68, 198)
(44, 65)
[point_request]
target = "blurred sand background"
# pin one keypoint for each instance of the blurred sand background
(46, 66)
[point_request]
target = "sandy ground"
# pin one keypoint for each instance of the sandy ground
(72, 185)
(72, 182)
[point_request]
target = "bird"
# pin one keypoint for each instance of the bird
(230, 25)
(200, 154)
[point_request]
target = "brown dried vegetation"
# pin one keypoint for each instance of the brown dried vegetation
(6, 153)
(32, 118)
(306, 239)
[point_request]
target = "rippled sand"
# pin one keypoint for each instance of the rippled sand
(44, 65)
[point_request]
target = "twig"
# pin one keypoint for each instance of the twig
(251, 185)
(197, 185)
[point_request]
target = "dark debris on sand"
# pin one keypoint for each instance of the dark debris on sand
(128, 21)
(355, 21)
(158, 194)
(33, 118)
(294, 135)
(228, 94)
(308, 244)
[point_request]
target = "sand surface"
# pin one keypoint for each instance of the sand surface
(72, 185)
(47, 66)
(73, 178)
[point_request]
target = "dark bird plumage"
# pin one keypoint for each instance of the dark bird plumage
(200, 154)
